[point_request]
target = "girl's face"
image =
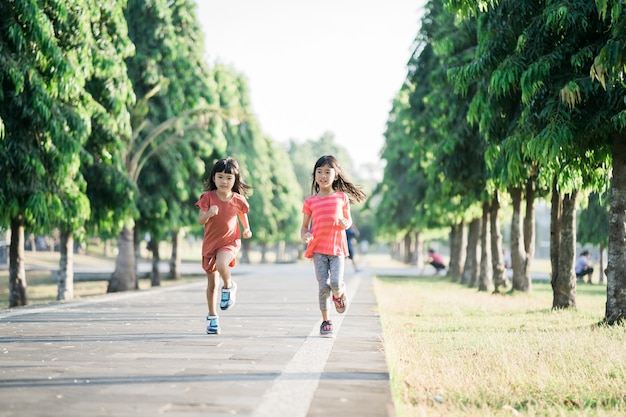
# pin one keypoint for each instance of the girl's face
(325, 176)
(224, 182)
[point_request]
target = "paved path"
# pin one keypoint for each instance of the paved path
(146, 353)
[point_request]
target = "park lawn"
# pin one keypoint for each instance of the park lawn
(454, 351)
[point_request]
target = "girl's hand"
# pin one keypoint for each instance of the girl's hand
(345, 223)
(247, 234)
(213, 210)
(307, 237)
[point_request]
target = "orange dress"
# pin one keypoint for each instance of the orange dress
(221, 232)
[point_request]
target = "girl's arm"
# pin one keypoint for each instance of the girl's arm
(346, 222)
(204, 216)
(305, 234)
(243, 218)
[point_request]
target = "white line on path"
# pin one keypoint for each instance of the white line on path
(292, 392)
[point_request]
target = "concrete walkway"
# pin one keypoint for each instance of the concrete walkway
(145, 353)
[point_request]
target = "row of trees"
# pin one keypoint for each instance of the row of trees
(507, 102)
(110, 119)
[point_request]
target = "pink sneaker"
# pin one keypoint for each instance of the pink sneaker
(340, 303)
(326, 329)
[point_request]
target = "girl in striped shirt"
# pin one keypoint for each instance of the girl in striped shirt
(326, 216)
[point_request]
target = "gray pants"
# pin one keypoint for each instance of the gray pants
(329, 274)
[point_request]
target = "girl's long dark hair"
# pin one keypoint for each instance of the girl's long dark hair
(229, 166)
(342, 183)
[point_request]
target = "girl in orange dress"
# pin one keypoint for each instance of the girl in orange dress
(221, 208)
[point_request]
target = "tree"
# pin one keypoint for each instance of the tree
(609, 69)
(172, 177)
(435, 159)
(44, 120)
(109, 95)
(561, 126)
(169, 77)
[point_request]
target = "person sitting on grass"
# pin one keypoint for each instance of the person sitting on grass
(583, 267)
(436, 261)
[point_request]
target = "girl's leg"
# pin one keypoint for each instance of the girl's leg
(325, 315)
(211, 290)
(337, 266)
(222, 262)
(337, 285)
(321, 264)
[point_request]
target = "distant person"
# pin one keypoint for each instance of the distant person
(583, 267)
(221, 207)
(326, 216)
(436, 261)
(352, 233)
(364, 247)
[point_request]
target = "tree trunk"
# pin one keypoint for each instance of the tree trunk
(281, 252)
(263, 253)
(32, 241)
(175, 259)
(529, 232)
(616, 260)
(245, 255)
(419, 249)
(518, 253)
(65, 289)
(472, 258)
(136, 244)
(107, 248)
(394, 247)
(485, 282)
(413, 251)
(500, 279)
(517, 238)
(124, 277)
(398, 251)
(17, 267)
(564, 286)
(601, 264)
(155, 274)
(555, 231)
(458, 240)
(408, 256)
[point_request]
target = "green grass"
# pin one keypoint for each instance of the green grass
(454, 351)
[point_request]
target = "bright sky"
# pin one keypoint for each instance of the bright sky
(317, 66)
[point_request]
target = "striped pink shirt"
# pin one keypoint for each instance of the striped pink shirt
(329, 237)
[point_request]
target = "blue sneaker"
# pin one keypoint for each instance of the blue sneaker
(228, 296)
(212, 325)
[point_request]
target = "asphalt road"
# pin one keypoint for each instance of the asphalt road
(146, 353)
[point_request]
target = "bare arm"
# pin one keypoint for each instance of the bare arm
(243, 218)
(305, 235)
(204, 216)
(346, 221)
